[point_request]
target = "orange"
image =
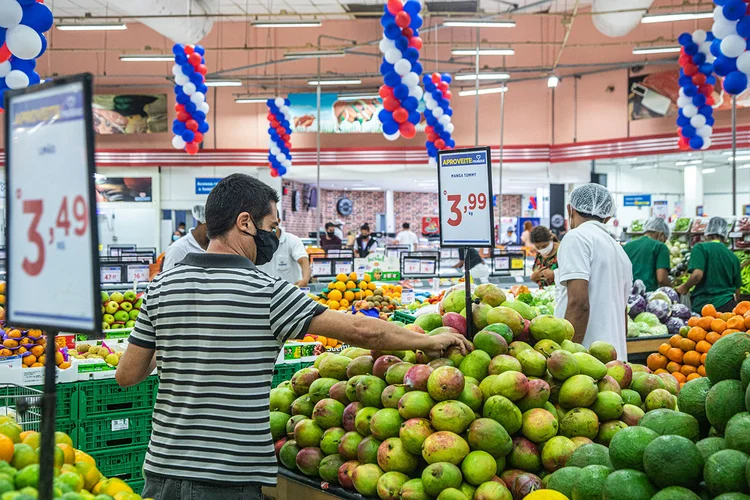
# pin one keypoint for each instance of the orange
(21, 350)
(350, 285)
(322, 340)
(729, 331)
(349, 295)
(341, 286)
(712, 337)
(332, 343)
(675, 354)
(674, 341)
(344, 303)
(342, 277)
(372, 286)
(660, 370)
(15, 334)
(368, 278)
(37, 350)
(353, 276)
(33, 439)
(333, 304)
(39, 365)
(741, 307)
(6, 448)
(663, 349)
(702, 346)
(708, 310)
(725, 316)
(680, 377)
(368, 293)
(90, 474)
(692, 358)
(673, 367)
(702, 371)
(656, 361)
(687, 345)
(59, 358)
(41, 359)
(693, 376)
(84, 457)
(63, 366)
(362, 285)
(10, 343)
(705, 322)
(334, 295)
(693, 321)
(29, 360)
(5, 353)
(703, 358)
(718, 325)
(688, 369)
(357, 295)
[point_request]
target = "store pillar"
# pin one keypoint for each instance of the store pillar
(693, 188)
(390, 221)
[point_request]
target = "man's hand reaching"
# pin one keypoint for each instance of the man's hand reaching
(440, 343)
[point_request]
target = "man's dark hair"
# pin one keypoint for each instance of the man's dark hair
(234, 195)
(589, 216)
(541, 234)
(181, 224)
(364, 227)
(329, 225)
(405, 225)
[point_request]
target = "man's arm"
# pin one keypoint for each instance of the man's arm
(371, 333)
(578, 308)
(135, 365)
(695, 277)
(304, 263)
(662, 277)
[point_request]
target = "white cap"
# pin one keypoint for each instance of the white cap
(593, 199)
(338, 222)
(199, 213)
(717, 226)
(657, 225)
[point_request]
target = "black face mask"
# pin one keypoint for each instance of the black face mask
(265, 243)
(330, 234)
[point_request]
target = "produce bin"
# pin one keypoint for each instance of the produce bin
(102, 397)
(283, 372)
(115, 430)
(67, 400)
(122, 463)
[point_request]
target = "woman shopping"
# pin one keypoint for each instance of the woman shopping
(543, 272)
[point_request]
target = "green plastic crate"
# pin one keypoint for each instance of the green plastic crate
(67, 399)
(403, 317)
(122, 463)
(103, 397)
(283, 372)
(116, 430)
(137, 486)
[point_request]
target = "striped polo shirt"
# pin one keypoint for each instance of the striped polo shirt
(217, 324)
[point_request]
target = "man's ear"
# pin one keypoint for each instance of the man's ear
(245, 223)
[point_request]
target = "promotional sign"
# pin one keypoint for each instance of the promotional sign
(130, 114)
(637, 200)
(465, 189)
(123, 189)
(52, 235)
(204, 185)
(660, 209)
(430, 225)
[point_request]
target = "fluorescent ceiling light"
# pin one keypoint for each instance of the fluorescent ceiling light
(676, 16)
(740, 158)
(688, 162)
(631, 160)
(147, 57)
(708, 170)
(478, 23)
(494, 90)
(346, 81)
(644, 167)
(552, 82)
(372, 188)
(223, 83)
(92, 27)
(251, 100)
(483, 52)
(655, 50)
(314, 54)
(299, 23)
(357, 97)
(482, 76)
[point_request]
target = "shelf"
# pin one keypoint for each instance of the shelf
(644, 345)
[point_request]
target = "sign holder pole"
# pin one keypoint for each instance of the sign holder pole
(49, 408)
(469, 302)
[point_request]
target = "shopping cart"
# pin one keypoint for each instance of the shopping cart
(23, 404)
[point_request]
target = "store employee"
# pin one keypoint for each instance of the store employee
(290, 261)
(714, 271)
(195, 241)
(650, 256)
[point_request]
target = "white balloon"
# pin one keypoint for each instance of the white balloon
(722, 29)
(189, 88)
(430, 104)
(410, 79)
(198, 97)
(705, 48)
(690, 110)
(278, 101)
(181, 79)
(444, 119)
(710, 58)
(427, 96)
(706, 143)
(416, 92)
(681, 92)
(386, 44)
(743, 62)
(280, 157)
(719, 14)
(23, 42)
(393, 55)
(283, 108)
(437, 112)
(16, 79)
(393, 136)
(10, 13)
(699, 36)
(449, 127)
(275, 148)
(733, 45)
(178, 143)
(402, 66)
(4, 69)
(698, 121)
(203, 107)
(684, 101)
(705, 131)
(432, 162)
(176, 70)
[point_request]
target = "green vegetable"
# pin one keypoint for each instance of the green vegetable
(526, 298)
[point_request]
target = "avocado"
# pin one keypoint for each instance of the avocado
(675, 493)
(664, 422)
(627, 447)
(724, 359)
(723, 401)
(591, 482)
(692, 398)
(673, 461)
(737, 432)
(628, 484)
(710, 445)
(725, 472)
(589, 454)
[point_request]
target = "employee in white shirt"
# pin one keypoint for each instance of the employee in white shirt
(407, 237)
(339, 229)
(290, 261)
(594, 272)
(195, 241)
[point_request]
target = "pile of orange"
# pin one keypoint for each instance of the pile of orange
(326, 341)
(685, 357)
(392, 291)
(30, 345)
(345, 290)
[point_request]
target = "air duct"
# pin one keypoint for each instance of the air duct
(618, 23)
(180, 29)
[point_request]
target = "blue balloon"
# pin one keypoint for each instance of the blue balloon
(34, 78)
(37, 16)
(734, 10)
(390, 127)
(411, 54)
(710, 37)
(281, 170)
(416, 67)
(720, 2)
(710, 120)
(429, 86)
(386, 19)
(711, 80)
(437, 95)
(400, 91)
(438, 127)
(446, 77)
(448, 112)
(180, 59)
(414, 117)
(743, 27)
(287, 102)
(735, 82)
(188, 136)
(199, 116)
(428, 114)
(392, 32)
(445, 104)
(690, 90)
(696, 142)
(271, 131)
(182, 98)
(200, 50)
(26, 66)
(683, 121)
(410, 103)
(392, 79)
(269, 102)
(202, 88)
(203, 127)
(412, 7)
(285, 123)
(705, 110)
(3, 32)
(196, 79)
(451, 143)
(190, 107)
(385, 68)
(699, 58)
(716, 47)
(384, 115)
(706, 68)
(416, 22)
(699, 100)
(685, 39)
(288, 130)
(416, 32)
(402, 43)
(723, 66)
(187, 69)
(688, 131)
(691, 49)
(178, 125)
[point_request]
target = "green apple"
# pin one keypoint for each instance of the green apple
(130, 296)
(130, 324)
(103, 310)
(105, 325)
(138, 304)
(121, 316)
(126, 306)
(108, 318)
(117, 297)
(105, 297)
(111, 307)
(134, 314)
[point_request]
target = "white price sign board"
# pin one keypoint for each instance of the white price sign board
(138, 272)
(111, 274)
(465, 187)
(52, 238)
(320, 267)
(343, 267)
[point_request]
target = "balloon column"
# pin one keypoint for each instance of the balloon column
(695, 114)
(279, 131)
(22, 24)
(190, 89)
(400, 68)
(438, 114)
(731, 29)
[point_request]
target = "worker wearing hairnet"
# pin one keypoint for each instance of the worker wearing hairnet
(714, 271)
(195, 241)
(594, 273)
(650, 256)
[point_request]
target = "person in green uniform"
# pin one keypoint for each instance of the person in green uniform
(714, 271)
(650, 256)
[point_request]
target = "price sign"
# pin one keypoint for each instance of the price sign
(502, 263)
(465, 188)
(137, 273)
(411, 266)
(110, 275)
(51, 218)
(427, 267)
(320, 267)
(343, 267)
(407, 297)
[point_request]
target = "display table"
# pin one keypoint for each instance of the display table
(640, 348)
(293, 485)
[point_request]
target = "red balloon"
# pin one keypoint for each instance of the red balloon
(391, 104)
(275, 124)
(287, 144)
(440, 144)
(385, 91)
(432, 136)
(408, 130)
(710, 101)
(690, 69)
(684, 60)
(407, 32)
(428, 129)
(400, 115)
(448, 94)
(706, 90)
(179, 107)
(286, 137)
(436, 78)
(202, 69)
(191, 125)
(198, 138)
(403, 19)
(192, 148)
(280, 130)
(183, 116)
(4, 53)
(443, 86)
(747, 10)
(194, 59)
(189, 49)
(699, 79)
(395, 6)
(416, 42)
(274, 172)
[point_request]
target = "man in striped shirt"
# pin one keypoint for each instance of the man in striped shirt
(216, 324)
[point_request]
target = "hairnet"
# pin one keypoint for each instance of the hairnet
(199, 213)
(657, 225)
(717, 226)
(593, 199)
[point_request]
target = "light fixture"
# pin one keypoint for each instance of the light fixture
(314, 54)
(218, 82)
(482, 76)
(483, 52)
(357, 97)
(492, 90)
(345, 81)
(739, 158)
(742, 167)
(299, 23)
(552, 82)
(708, 170)
(656, 50)
(251, 100)
(631, 160)
(92, 27)
(147, 57)
(366, 188)
(688, 162)
(676, 16)
(644, 167)
(478, 23)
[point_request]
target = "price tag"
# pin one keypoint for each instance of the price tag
(502, 263)
(427, 267)
(411, 266)
(320, 267)
(122, 424)
(110, 275)
(465, 187)
(138, 273)
(519, 279)
(516, 264)
(407, 296)
(304, 289)
(343, 267)
(52, 227)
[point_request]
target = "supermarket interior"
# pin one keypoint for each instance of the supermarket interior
(471, 249)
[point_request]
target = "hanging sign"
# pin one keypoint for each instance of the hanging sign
(637, 200)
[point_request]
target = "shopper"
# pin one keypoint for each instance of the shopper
(213, 326)
(290, 261)
(510, 237)
(351, 239)
(714, 271)
(594, 275)
(650, 256)
(330, 241)
(365, 243)
(526, 234)
(477, 267)
(407, 237)
(195, 241)
(545, 263)
(339, 229)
